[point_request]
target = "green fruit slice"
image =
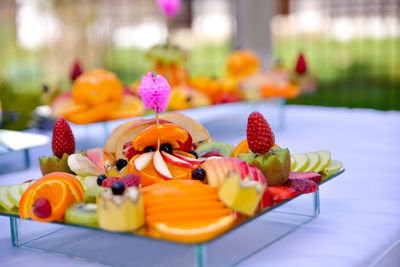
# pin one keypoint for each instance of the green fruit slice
(225, 149)
(14, 194)
(301, 162)
(23, 187)
(292, 162)
(90, 181)
(91, 193)
(313, 161)
(325, 159)
(4, 201)
(333, 167)
(82, 213)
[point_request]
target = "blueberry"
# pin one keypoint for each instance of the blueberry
(194, 153)
(120, 163)
(149, 149)
(167, 148)
(199, 174)
(100, 179)
(118, 188)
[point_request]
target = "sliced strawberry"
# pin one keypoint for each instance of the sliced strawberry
(311, 176)
(266, 200)
(302, 186)
(109, 181)
(280, 193)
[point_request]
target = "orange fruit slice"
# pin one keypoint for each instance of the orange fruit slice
(193, 232)
(61, 189)
(167, 133)
(241, 148)
(149, 176)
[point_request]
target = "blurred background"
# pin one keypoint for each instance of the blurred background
(351, 46)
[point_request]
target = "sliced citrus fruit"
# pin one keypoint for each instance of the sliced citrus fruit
(167, 133)
(193, 232)
(241, 148)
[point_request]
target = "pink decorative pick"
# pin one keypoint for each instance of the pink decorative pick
(169, 7)
(155, 91)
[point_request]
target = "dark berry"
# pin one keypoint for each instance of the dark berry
(118, 188)
(167, 148)
(194, 153)
(42, 208)
(120, 163)
(199, 174)
(100, 179)
(149, 149)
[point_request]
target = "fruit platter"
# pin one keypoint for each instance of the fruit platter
(163, 184)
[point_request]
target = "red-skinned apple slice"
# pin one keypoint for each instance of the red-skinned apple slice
(143, 160)
(190, 160)
(176, 161)
(160, 167)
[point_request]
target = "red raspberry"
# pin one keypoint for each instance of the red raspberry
(63, 140)
(42, 208)
(259, 135)
(302, 186)
(130, 180)
(109, 181)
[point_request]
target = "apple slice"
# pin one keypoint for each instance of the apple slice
(333, 167)
(292, 162)
(143, 160)
(160, 167)
(325, 159)
(313, 161)
(14, 194)
(190, 160)
(4, 200)
(301, 162)
(176, 161)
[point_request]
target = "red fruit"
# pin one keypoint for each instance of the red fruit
(109, 181)
(42, 208)
(280, 193)
(259, 135)
(301, 65)
(28, 181)
(212, 153)
(130, 180)
(226, 98)
(76, 70)
(129, 151)
(63, 140)
(302, 186)
(311, 176)
(266, 200)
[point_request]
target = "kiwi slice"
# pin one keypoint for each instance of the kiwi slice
(82, 213)
(92, 192)
(225, 149)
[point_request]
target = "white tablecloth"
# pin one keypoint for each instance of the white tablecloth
(359, 224)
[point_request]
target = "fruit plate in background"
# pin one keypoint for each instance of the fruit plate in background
(131, 249)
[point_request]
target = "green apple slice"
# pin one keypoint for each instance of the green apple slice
(14, 194)
(292, 162)
(23, 187)
(325, 159)
(90, 181)
(313, 161)
(4, 201)
(301, 162)
(333, 167)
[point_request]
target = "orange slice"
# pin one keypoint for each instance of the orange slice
(193, 232)
(167, 133)
(241, 148)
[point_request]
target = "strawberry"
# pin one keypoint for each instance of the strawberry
(311, 176)
(63, 140)
(259, 135)
(301, 65)
(266, 200)
(109, 181)
(280, 193)
(302, 186)
(130, 180)
(76, 70)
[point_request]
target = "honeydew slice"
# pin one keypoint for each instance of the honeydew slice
(313, 161)
(301, 162)
(325, 159)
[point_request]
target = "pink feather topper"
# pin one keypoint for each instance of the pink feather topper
(155, 91)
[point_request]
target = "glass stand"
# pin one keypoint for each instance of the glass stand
(123, 249)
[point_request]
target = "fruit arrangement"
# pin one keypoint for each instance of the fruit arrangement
(165, 177)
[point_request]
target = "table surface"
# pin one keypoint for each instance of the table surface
(359, 224)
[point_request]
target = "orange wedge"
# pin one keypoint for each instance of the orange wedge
(241, 148)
